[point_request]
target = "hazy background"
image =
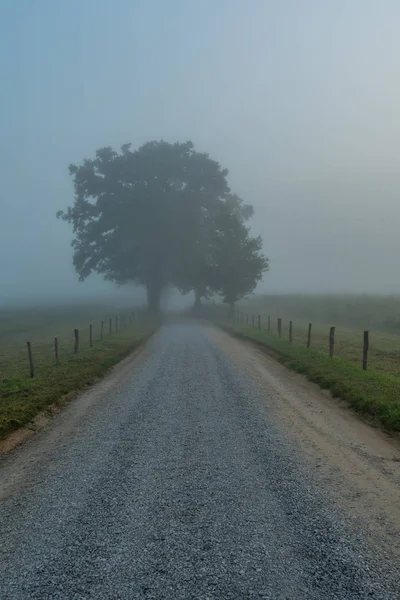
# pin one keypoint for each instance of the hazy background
(300, 99)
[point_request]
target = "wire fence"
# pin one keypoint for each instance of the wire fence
(43, 349)
(371, 350)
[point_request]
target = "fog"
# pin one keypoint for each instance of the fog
(299, 99)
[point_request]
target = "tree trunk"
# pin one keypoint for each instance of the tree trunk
(154, 291)
(231, 309)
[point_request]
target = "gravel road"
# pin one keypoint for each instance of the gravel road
(178, 483)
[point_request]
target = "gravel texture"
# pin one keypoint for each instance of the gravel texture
(181, 485)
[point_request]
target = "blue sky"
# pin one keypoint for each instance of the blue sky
(298, 98)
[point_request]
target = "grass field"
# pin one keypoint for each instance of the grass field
(22, 397)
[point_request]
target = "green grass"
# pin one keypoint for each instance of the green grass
(22, 397)
(368, 392)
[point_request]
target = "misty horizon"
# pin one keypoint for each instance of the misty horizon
(298, 102)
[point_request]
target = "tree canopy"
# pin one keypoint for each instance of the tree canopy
(163, 214)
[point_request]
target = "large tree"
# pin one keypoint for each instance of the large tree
(138, 214)
(161, 215)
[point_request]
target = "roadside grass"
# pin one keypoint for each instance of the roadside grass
(23, 397)
(370, 393)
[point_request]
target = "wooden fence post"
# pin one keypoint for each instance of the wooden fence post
(309, 336)
(101, 330)
(290, 331)
(365, 350)
(242, 317)
(259, 322)
(280, 327)
(56, 351)
(116, 323)
(247, 318)
(252, 321)
(269, 324)
(110, 325)
(331, 341)
(76, 345)
(31, 366)
(90, 335)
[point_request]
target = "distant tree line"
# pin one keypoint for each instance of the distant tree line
(160, 215)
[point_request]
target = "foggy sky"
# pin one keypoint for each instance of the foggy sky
(300, 99)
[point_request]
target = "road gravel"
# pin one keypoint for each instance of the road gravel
(177, 482)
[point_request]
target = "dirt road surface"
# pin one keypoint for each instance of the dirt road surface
(201, 468)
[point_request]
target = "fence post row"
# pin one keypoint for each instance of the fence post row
(365, 350)
(332, 330)
(331, 341)
(240, 319)
(309, 336)
(76, 342)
